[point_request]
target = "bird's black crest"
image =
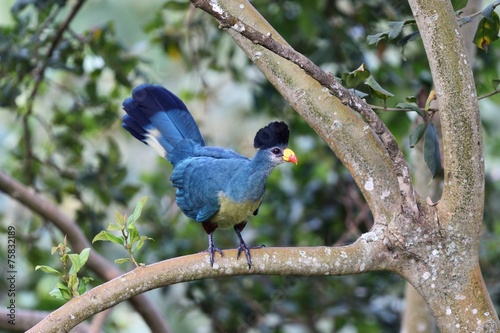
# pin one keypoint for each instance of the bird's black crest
(274, 134)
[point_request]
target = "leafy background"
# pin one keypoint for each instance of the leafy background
(61, 135)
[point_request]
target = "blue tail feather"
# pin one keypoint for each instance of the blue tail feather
(160, 119)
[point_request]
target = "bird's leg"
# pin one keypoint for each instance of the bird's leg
(210, 228)
(243, 247)
(212, 249)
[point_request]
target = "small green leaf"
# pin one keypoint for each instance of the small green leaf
(487, 31)
(376, 89)
(411, 99)
(176, 5)
(82, 287)
(416, 134)
(120, 219)
(122, 260)
(432, 155)
(354, 78)
(84, 256)
(75, 263)
(137, 211)
(138, 245)
(359, 93)
(48, 269)
(115, 227)
(495, 83)
(107, 236)
(133, 233)
(61, 292)
(458, 4)
(73, 283)
(374, 39)
(409, 38)
(395, 28)
(79, 260)
(411, 106)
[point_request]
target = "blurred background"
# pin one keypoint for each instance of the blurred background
(78, 156)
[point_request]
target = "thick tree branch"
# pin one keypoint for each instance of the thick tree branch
(26, 319)
(273, 42)
(455, 273)
(367, 254)
(463, 192)
(102, 267)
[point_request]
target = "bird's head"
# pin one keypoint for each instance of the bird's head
(274, 139)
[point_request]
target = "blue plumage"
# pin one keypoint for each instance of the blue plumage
(215, 186)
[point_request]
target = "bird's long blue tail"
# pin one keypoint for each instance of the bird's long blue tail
(160, 119)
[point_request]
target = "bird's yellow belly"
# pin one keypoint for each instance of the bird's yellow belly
(231, 213)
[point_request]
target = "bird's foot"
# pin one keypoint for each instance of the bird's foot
(245, 248)
(211, 251)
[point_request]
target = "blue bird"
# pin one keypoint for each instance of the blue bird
(215, 186)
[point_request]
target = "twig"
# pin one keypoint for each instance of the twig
(39, 74)
(327, 80)
(488, 94)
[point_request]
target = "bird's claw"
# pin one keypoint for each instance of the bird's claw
(245, 248)
(211, 251)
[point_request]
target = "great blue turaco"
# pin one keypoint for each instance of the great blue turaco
(217, 187)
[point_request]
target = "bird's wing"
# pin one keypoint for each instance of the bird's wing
(200, 181)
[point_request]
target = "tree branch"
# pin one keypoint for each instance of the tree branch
(275, 43)
(463, 192)
(102, 267)
(367, 254)
(39, 74)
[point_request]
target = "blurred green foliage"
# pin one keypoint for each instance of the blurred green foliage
(60, 106)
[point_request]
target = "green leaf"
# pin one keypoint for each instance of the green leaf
(458, 4)
(61, 291)
(487, 31)
(495, 83)
(48, 269)
(409, 38)
(374, 39)
(82, 287)
(138, 245)
(376, 89)
(416, 134)
(115, 227)
(137, 211)
(107, 236)
(122, 260)
(411, 106)
(432, 155)
(84, 256)
(119, 218)
(176, 5)
(75, 263)
(395, 28)
(133, 233)
(73, 283)
(354, 78)
(411, 99)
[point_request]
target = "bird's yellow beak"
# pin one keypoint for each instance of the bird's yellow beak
(289, 156)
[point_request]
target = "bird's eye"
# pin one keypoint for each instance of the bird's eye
(276, 151)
